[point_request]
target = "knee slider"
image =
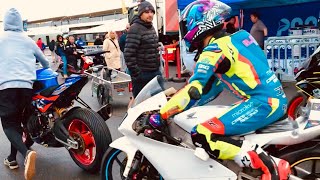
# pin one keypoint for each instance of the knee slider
(194, 93)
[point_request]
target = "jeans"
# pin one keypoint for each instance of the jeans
(13, 102)
(65, 65)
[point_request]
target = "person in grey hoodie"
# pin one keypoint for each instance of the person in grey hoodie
(18, 54)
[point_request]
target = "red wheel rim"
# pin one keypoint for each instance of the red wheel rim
(89, 154)
(293, 108)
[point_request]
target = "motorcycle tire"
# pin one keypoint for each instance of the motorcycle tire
(114, 156)
(300, 168)
(93, 137)
(295, 103)
(107, 164)
(103, 96)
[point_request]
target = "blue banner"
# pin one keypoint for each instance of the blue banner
(280, 19)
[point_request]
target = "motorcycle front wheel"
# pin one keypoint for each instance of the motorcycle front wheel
(114, 163)
(93, 137)
(299, 100)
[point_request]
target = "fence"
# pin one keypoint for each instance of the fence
(286, 54)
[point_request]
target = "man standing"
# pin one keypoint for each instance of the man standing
(122, 39)
(141, 50)
(258, 30)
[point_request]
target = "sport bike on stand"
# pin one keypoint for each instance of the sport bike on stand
(52, 120)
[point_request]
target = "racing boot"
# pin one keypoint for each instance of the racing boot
(251, 155)
(283, 168)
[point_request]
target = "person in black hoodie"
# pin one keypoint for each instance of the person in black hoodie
(71, 52)
(141, 51)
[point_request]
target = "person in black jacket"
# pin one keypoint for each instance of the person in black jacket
(141, 49)
(98, 41)
(71, 52)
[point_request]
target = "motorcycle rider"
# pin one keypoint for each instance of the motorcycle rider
(18, 54)
(237, 63)
(71, 52)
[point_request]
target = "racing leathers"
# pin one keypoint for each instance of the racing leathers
(238, 64)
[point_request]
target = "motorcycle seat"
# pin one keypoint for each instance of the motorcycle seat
(48, 92)
(282, 125)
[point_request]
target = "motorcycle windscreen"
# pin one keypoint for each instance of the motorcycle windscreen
(149, 90)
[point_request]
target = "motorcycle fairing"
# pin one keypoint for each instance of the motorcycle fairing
(126, 146)
(308, 86)
(69, 81)
(172, 162)
(43, 103)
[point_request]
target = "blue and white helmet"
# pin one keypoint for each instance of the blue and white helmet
(200, 18)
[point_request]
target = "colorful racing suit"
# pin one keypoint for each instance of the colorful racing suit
(237, 63)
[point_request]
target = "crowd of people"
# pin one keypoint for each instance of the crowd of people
(139, 46)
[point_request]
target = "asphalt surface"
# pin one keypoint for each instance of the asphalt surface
(56, 163)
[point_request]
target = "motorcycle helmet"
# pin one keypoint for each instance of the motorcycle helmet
(202, 18)
(45, 78)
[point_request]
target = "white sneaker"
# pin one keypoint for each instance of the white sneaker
(11, 164)
(30, 165)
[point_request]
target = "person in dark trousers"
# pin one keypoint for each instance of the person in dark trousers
(71, 52)
(52, 45)
(141, 52)
(60, 51)
(18, 54)
(258, 30)
(98, 41)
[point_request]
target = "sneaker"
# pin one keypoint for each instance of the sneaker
(30, 165)
(11, 164)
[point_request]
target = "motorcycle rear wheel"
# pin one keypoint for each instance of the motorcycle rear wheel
(93, 136)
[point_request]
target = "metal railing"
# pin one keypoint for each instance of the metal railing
(286, 54)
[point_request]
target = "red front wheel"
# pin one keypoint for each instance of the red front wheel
(93, 137)
(299, 100)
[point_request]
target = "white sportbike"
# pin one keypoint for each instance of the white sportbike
(146, 152)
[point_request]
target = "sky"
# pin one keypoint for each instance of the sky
(41, 9)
